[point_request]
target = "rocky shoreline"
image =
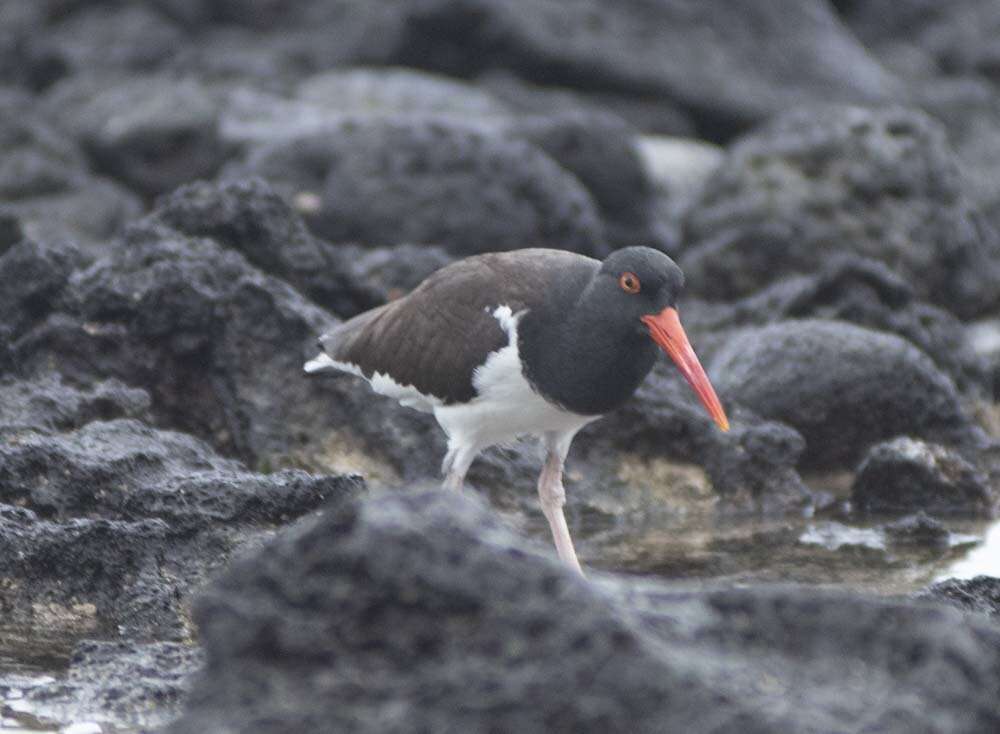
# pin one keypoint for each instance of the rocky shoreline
(194, 536)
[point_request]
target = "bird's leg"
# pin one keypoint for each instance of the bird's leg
(553, 497)
(456, 464)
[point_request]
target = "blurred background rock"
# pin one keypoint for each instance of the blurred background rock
(190, 191)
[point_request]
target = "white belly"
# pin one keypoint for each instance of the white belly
(506, 406)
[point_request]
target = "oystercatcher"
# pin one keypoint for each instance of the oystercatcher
(530, 342)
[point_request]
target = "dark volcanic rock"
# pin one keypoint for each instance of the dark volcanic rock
(762, 58)
(249, 217)
(395, 271)
(842, 387)
(880, 183)
(860, 291)
(136, 518)
(648, 114)
(125, 684)
(957, 37)
(152, 132)
(428, 629)
(969, 109)
(322, 101)
(131, 36)
(45, 187)
(174, 315)
(383, 182)
(152, 473)
(919, 530)
(754, 461)
(601, 152)
(218, 345)
(980, 594)
(32, 278)
(395, 92)
(906, 474)
(455, 626)
(48, 403)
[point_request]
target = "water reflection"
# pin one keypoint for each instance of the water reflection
(983, 559)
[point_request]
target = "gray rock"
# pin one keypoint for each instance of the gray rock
(724, 66)
(531, 650)
(321, 101)
(10, 231)
(218, 345)
(152, 132)
(27, 56)
(980, 594)
(919, 530)
(907, 474)
(45, 186)
(397, 270)
(249, 217)
(958, 37)
(418, 611)
(131, 37)
(842, 387)
(126, 685)
(818, 182)
(153, 473)
(397, 92)
(96, 577)
(386, 182)
(49, 403)
(33, 276)
(117, 522)
(601, 152)
(970, 111)
(648, 114)
(752, 464)
(860, 291)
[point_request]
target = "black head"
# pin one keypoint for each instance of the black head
(632, 283)
(634, 294)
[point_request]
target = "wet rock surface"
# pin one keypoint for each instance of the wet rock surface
(397, 586)
(909, 474)
(191, 192)
(110, 525)
(980, 594)
(102, 675)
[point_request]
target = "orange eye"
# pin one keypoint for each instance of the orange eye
(629, 282)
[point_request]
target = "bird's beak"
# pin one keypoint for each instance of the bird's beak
(666, 330)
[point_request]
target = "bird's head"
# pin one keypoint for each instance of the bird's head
(639, 286)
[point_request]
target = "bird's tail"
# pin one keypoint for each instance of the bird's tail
(320, 363)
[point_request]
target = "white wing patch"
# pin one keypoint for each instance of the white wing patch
(506, 405)
(407, 395)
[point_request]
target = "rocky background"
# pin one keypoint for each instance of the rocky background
(191, 531)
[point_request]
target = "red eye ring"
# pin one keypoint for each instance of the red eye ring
(629, 283)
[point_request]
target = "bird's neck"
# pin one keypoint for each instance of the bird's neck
(581, 362)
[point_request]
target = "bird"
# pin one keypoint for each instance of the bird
(530, 342)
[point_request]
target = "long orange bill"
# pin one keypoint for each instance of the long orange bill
(666, 330)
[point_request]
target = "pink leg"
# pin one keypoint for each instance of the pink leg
(553, 497)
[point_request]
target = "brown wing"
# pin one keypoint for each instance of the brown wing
(435, 337)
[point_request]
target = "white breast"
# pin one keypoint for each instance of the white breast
(506, 405)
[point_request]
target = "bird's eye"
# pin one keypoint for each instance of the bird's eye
(629, 282)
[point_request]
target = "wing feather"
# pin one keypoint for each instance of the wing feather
(434, 338)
